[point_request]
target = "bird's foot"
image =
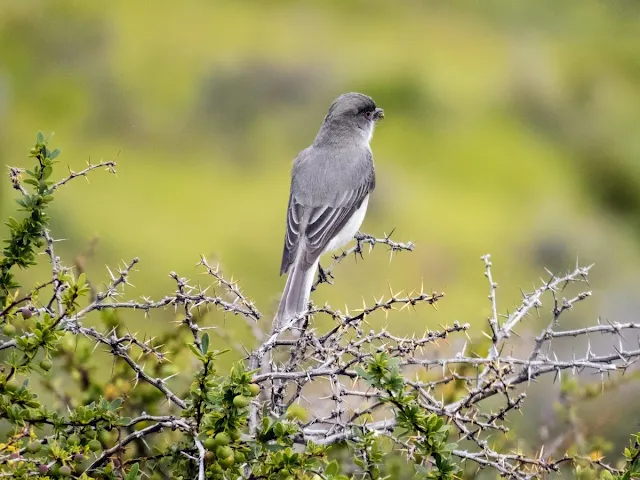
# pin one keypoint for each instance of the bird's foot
(324, 276)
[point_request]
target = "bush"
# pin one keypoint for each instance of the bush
(308, 404)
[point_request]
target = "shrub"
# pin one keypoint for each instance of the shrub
(307, 404)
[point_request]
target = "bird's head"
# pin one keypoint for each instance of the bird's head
(356, 112)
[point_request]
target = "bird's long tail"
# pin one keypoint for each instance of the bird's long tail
(295, 297)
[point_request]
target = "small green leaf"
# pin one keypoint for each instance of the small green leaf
(115, 404)
(133, 473)
(332, 469)
(205, 343)
(122, 421)
(279, 429)
(195, 351)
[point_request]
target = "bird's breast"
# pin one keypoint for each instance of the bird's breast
(352, 226)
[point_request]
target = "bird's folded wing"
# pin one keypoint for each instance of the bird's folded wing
(319, 224)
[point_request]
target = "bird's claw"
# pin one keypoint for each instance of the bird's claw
(324, 276)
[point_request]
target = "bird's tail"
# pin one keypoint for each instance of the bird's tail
(295, 296)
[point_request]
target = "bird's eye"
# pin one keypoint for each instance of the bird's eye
(368, 114)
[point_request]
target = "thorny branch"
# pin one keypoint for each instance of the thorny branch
(325, 275)
(109, 164)
(320, 369)
(316, 362)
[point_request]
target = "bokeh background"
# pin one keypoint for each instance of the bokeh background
(512, 128)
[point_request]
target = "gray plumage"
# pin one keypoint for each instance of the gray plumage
(330, 185)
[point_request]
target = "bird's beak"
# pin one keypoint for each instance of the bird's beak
(378, 114)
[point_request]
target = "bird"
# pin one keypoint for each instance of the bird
(331, 181)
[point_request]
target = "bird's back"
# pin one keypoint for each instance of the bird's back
(321, 176)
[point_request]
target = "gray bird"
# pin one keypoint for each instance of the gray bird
(330, 185)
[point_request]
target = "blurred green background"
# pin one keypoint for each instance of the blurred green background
(512, 128)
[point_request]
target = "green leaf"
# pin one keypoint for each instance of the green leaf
(279, 429)
(205, 343)
(133, 473)
(122, 421)
(40, 137)
(195, 351)
(332, 469)
(115, 404)
(47, 171)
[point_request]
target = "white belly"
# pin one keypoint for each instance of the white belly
(345, 235)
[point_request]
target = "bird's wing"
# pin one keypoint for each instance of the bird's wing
(319, 224)
(292, 234)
